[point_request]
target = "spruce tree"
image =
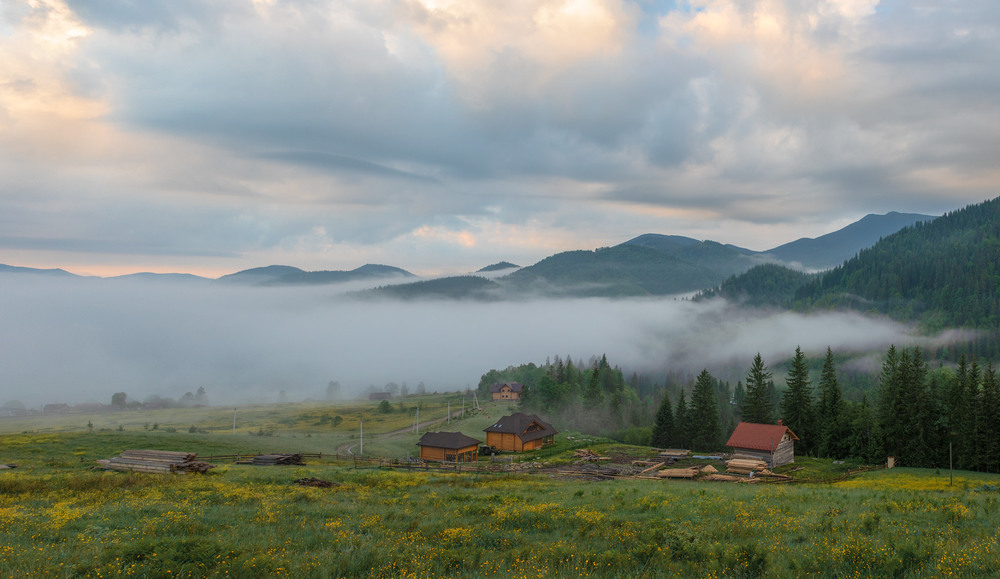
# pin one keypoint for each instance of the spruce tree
(757, 406)
(796, 403)
(663, 428)
(703, 416)
(830, 413)
(682, 434)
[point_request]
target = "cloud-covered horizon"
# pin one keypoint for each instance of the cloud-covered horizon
(445, 135)
(81, 340)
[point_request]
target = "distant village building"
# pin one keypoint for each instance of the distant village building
(506, 391)
(448, 446)
(55, 409)
(519, 432)
(772, 443)
(379, 396)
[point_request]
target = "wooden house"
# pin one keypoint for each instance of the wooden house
(448, 446)
(380, 396)
(519, 432)
(772, 443)
(506, 391)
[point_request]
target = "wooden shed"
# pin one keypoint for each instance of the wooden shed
(772, 443)
(506, 391)
(519, 432)
(448, 446)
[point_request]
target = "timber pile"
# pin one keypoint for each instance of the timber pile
(157, 461)
(678, 473)
(746, 466)
(675, 453)
(277, 460)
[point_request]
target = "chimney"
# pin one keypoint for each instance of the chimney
(779, 422)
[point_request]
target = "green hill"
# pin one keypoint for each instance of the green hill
(623, 270)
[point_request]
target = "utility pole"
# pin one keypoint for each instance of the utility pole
(362, 437)
(234, 422)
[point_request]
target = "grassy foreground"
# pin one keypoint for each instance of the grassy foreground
(59, 518)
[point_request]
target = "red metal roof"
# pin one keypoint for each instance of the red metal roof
(758, 436)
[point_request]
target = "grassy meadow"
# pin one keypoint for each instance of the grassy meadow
(61, 518)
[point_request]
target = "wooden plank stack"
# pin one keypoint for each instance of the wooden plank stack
(156, 461)
(746, 466)
(674, 453)
(277, 460)
(678, 473)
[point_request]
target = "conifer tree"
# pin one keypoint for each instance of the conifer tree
(703, 415)
(682, 435)
(663, 428)
(830, 413)
(757, 406)
(796, 403)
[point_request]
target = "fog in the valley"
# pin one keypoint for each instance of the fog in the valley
(83, 340)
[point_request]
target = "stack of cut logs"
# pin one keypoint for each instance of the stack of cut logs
(161, 461)
(277, 459)
(746, 466)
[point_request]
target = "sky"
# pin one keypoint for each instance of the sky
(441, 136)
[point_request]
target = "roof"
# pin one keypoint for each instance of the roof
(514, 386)
(520, 423)
(758, 436)
(449, 440)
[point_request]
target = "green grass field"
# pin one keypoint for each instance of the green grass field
(59, 517)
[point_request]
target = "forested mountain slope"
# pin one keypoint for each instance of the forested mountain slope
(944, 273)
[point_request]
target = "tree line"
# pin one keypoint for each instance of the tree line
(921, 416)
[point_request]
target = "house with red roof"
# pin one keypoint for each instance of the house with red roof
(772, 443)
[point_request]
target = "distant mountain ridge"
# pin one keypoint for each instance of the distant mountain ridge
(649, 264)
(273, 275)
(830, 250)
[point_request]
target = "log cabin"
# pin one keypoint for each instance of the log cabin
(448, 447)
(519, 432)
(772, 443)
(506, 391)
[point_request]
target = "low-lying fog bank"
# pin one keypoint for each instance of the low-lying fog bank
(81, 341)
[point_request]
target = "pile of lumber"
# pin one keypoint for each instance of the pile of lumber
(160, 461)
(746, 466)
(277, 459)
(678, 473)
(674, 453)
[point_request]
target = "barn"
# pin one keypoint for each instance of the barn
(448, 446)
(772, 443)
(506, 391)
(519, 432)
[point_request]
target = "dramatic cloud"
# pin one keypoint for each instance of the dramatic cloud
(443, 135)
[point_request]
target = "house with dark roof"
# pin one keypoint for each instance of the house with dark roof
(772, 443)
(506, 390)
(519, 432)
(448, 446)
(380, 396)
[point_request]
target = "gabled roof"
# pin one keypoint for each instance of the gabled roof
(449, 440)
(514, 386)
(527, 427)
(758, 436)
